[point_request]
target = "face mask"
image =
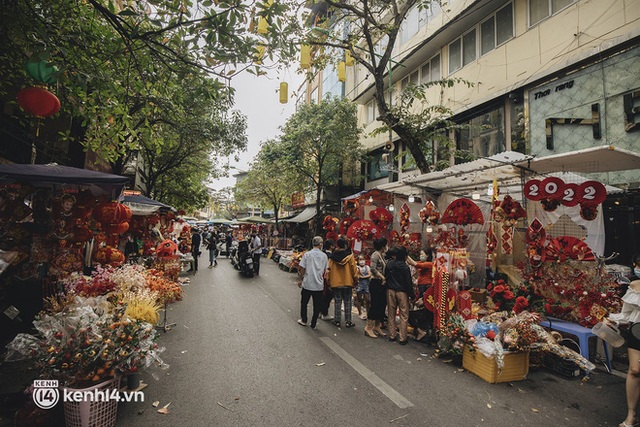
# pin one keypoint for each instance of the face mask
(362, 263)
(423, 258)
(636, 271)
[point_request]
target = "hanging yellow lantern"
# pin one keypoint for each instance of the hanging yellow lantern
(263, 25)
(305, 56)
(342, 71)
(348, 59)
(284, 92)
(257, 59)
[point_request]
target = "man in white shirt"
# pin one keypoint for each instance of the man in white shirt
(256, 250)
(311, 273)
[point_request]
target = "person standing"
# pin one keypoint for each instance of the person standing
(628, 319)
(362, 289)
(211, 243)
(327, 293)
(377, 290)
(425, 280)
(399, 292)
(228, 241)
(343, 274)
(256, 250)
(196, 241)
(311, 273)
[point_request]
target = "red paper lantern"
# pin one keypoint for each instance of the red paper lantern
(111, 213)
(38, 101)
(108, 255)
(117, 228)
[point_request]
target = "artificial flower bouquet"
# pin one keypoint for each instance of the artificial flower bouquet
(88, 341)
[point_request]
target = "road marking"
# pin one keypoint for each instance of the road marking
(368, 375)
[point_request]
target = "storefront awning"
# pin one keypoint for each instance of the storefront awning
(304, 216)
(590, 160)
(142, 205)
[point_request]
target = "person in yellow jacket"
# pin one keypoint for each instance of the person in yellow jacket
(342, 275)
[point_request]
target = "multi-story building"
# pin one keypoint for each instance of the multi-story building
(549, 77)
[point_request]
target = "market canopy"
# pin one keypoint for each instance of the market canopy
(254, 220)
(51, 174)
(304, 216)
(142, 205)
(509, 168)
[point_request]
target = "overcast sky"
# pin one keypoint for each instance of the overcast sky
(258, 99)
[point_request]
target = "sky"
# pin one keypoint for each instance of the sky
(258, 99)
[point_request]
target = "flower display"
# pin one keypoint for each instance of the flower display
(454, 336)
(509, 211)
(462, 212)
(90, 340)
(363, 230)
(405, 220)
(381, 217)
(166, 289)
(429, 214)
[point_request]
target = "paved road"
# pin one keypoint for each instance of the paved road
(238, 358)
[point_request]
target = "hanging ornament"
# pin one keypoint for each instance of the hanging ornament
(305, 56)
(284, 92)
(38, 101)
(111, 213)
(348, 58)
(42, 71)
(342, 71)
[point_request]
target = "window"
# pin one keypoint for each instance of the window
(410, 25)
(371, 111)
(469, 47)
(504, 27)
(455, 55)
(541, 9)
(487, 36)
(376, 168)
(497, 29)
(485, 134)
(436, 74)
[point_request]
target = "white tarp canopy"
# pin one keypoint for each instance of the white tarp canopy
(511, 168)
(304, 216)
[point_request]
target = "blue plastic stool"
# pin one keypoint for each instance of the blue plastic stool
(579, 331)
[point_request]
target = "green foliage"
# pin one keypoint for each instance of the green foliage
(271, 180)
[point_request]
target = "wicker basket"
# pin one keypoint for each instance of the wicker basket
(516, 366)
(90, 413)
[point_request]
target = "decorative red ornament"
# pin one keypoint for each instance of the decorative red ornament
(181, 212)
(108, 255)
(363, 229)
(38, 101)
(111, 213)
(166, 248)
(81, 234)
(117, 228)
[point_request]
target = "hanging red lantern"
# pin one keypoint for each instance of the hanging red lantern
(108, 255)
(38, 101)
(117, 228)
(111, 213)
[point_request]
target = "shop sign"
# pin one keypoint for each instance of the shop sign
(297, 200)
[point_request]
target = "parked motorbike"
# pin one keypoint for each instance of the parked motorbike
(241, 259)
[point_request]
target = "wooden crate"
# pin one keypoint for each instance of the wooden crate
(516, 366)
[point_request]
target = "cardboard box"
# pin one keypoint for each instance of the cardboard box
(478, 295)
(516, 366)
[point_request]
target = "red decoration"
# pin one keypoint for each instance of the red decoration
(395, 238)
(346, 223)
(363, 229)
(108, 255)
(38, 101)
(111, 213)
(405, 220)
(429, 214)
(117, 228)
(81, 234)
(592, 193)
(552, 188)
(532, 190)
(567, 247)
(571, 194)
(463, 212)
(588, 211)
(381, 217)
(166, 248)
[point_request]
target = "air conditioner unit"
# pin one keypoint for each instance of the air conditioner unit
(389, 146)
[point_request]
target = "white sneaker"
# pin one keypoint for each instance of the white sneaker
(300, 322)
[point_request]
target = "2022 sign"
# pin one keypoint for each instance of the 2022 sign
(568, 194)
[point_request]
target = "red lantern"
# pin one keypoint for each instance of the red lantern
(38, 101)
(109, 255)
(117, 228)
(111, 213)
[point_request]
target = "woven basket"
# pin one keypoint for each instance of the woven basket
(90, 413)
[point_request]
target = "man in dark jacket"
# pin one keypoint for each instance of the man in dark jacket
(196, 241)
(399, 293)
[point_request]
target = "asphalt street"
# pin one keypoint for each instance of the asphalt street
(237, 357)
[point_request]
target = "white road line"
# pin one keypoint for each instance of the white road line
(368, 375)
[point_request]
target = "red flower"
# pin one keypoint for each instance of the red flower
(548, 308)
(509, 295)
(498, 289)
